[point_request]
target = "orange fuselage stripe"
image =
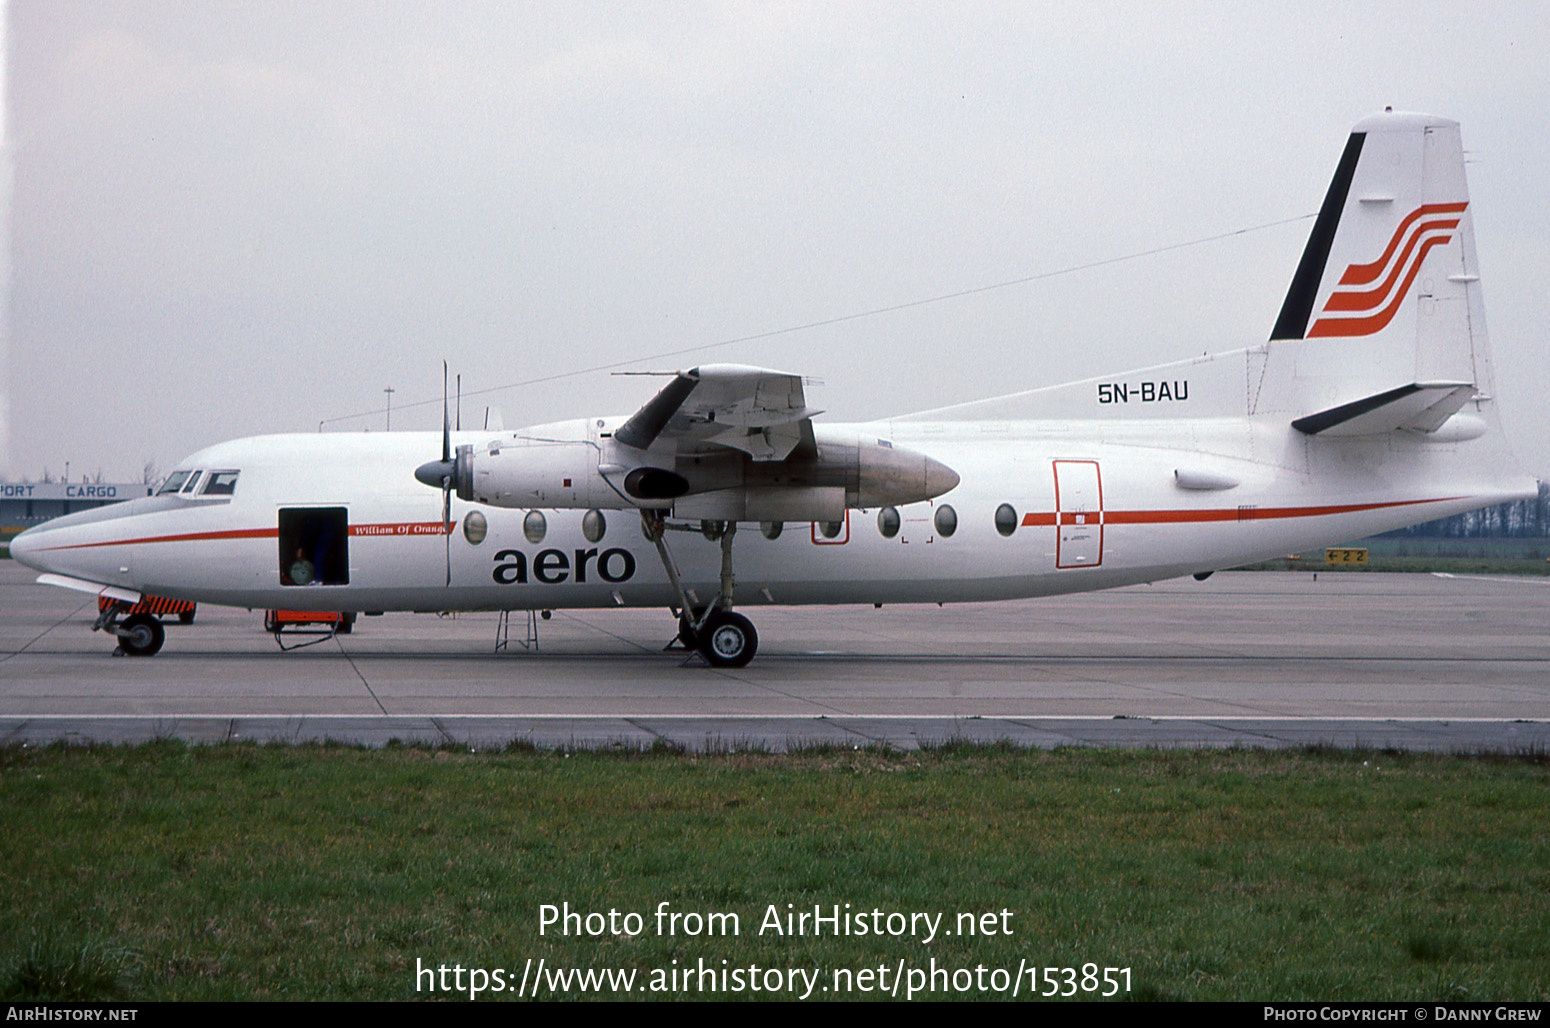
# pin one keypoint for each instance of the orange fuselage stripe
(1032, 519)
(1169, 517)
(403, 528)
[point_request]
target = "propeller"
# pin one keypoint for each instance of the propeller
(443, 473)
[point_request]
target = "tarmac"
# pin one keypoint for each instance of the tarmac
(1262, 659)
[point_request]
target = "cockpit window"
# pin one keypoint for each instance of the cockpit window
(193, 480)
(174, 482)
(221, 483)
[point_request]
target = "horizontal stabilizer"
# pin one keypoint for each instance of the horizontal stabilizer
(1419, 407)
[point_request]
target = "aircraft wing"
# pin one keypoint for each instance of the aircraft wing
(761, 412)
(81, 585)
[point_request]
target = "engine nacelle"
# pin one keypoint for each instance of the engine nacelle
(845, 469)
(550, 466)
(566, 466)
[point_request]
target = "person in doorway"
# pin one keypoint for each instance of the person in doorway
(301, 570)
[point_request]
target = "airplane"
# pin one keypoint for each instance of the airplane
(1370, 407)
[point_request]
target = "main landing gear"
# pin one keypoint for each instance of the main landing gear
(715, 631)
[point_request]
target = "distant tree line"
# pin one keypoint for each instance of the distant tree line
(1524, 519)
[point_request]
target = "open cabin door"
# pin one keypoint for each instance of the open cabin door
(1078, 514)
(314, 546)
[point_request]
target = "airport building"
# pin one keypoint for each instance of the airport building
(24, 504)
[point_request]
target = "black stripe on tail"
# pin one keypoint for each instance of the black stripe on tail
(1298, 307)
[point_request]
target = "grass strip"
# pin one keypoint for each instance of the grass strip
(167, 871)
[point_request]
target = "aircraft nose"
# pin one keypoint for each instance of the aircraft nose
(25, 547)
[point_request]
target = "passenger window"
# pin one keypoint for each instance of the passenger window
(1006, 519)
(534, 526)
(221, 483)
(831, 529)
(946, 521)
(593, 525)
(888, 522)
(174, 482)
(475, 527)
(772, 529)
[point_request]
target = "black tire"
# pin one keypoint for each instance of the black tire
(346, 624)
(686, 632)
(728, 640)
(144, 638)
(186, 618)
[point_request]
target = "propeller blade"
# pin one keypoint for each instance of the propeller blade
(446, 425)
(446, 521)
(437, 474)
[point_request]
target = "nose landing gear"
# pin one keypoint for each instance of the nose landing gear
(140, 635)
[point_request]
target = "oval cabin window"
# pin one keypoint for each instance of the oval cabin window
(888, 522)
(1006, 519)
(534, 526)
(946, 521)
(475, 527)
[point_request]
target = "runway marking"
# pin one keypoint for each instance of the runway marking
(637, 716)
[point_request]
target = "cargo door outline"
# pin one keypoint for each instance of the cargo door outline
(1078, 514)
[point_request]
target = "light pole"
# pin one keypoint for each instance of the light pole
(389, 391)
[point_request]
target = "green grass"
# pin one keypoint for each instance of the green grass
(166, 871)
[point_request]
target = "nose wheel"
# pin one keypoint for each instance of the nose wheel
(141, 636)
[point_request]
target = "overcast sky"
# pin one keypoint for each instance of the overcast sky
(236, 218)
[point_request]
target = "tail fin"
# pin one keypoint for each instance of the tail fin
(1383, 328)
(1387, 292)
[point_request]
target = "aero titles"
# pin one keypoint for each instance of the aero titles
(552, 567)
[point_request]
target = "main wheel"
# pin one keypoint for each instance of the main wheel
(728, 640)
(144, 638)
(186, 617)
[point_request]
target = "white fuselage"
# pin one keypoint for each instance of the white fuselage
(1095, 504)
